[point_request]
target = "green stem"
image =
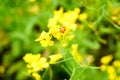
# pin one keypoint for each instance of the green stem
(73, 72)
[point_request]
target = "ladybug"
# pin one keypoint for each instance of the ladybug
(62, 29)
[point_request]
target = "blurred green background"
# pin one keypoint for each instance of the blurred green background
(21, 22)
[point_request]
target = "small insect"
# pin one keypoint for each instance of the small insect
(62, 29)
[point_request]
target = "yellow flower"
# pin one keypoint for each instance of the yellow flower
(35, 62)
(103, 67)
(75, 52)
(55, 57)
(52, 22)
(63, 23)
(111, 72)
(29, 57)
(83, 16)
(71, 26)
(57, 15)
(36, 75)
(55, 31)
(106, 59)
(116, 63)
(70, 16)
(45, 39)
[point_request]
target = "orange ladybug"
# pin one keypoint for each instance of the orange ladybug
(62, 29)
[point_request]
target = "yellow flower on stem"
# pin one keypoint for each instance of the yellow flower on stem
(55, 57)
(63, 23)
(106, 59)
(45, 39)
(58, 14)
(55, 31)
(54, 21)
(35, 62)
(70, 16)
(111, 72)
(116, 63)
(103, 67)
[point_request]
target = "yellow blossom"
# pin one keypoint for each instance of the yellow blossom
(103, 67)
(35, 62)
(58, 14)
(60, 32)
(75, 52)
(116, 63)
(29, 57)
(55, 57)
(83, 16)
(106, 59)
(111, 72)
(63, 23)
(45, 39)
(55, 31)
(71, 26)
(70, 16)
(36, 75)
(52, 22)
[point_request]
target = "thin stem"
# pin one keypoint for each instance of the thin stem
(66, 69)
(63, 61)
(73, 72)
(116, 26)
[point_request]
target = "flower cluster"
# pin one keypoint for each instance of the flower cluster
(112, 70)
(37, 63)
(61, 27)
(45, 39)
